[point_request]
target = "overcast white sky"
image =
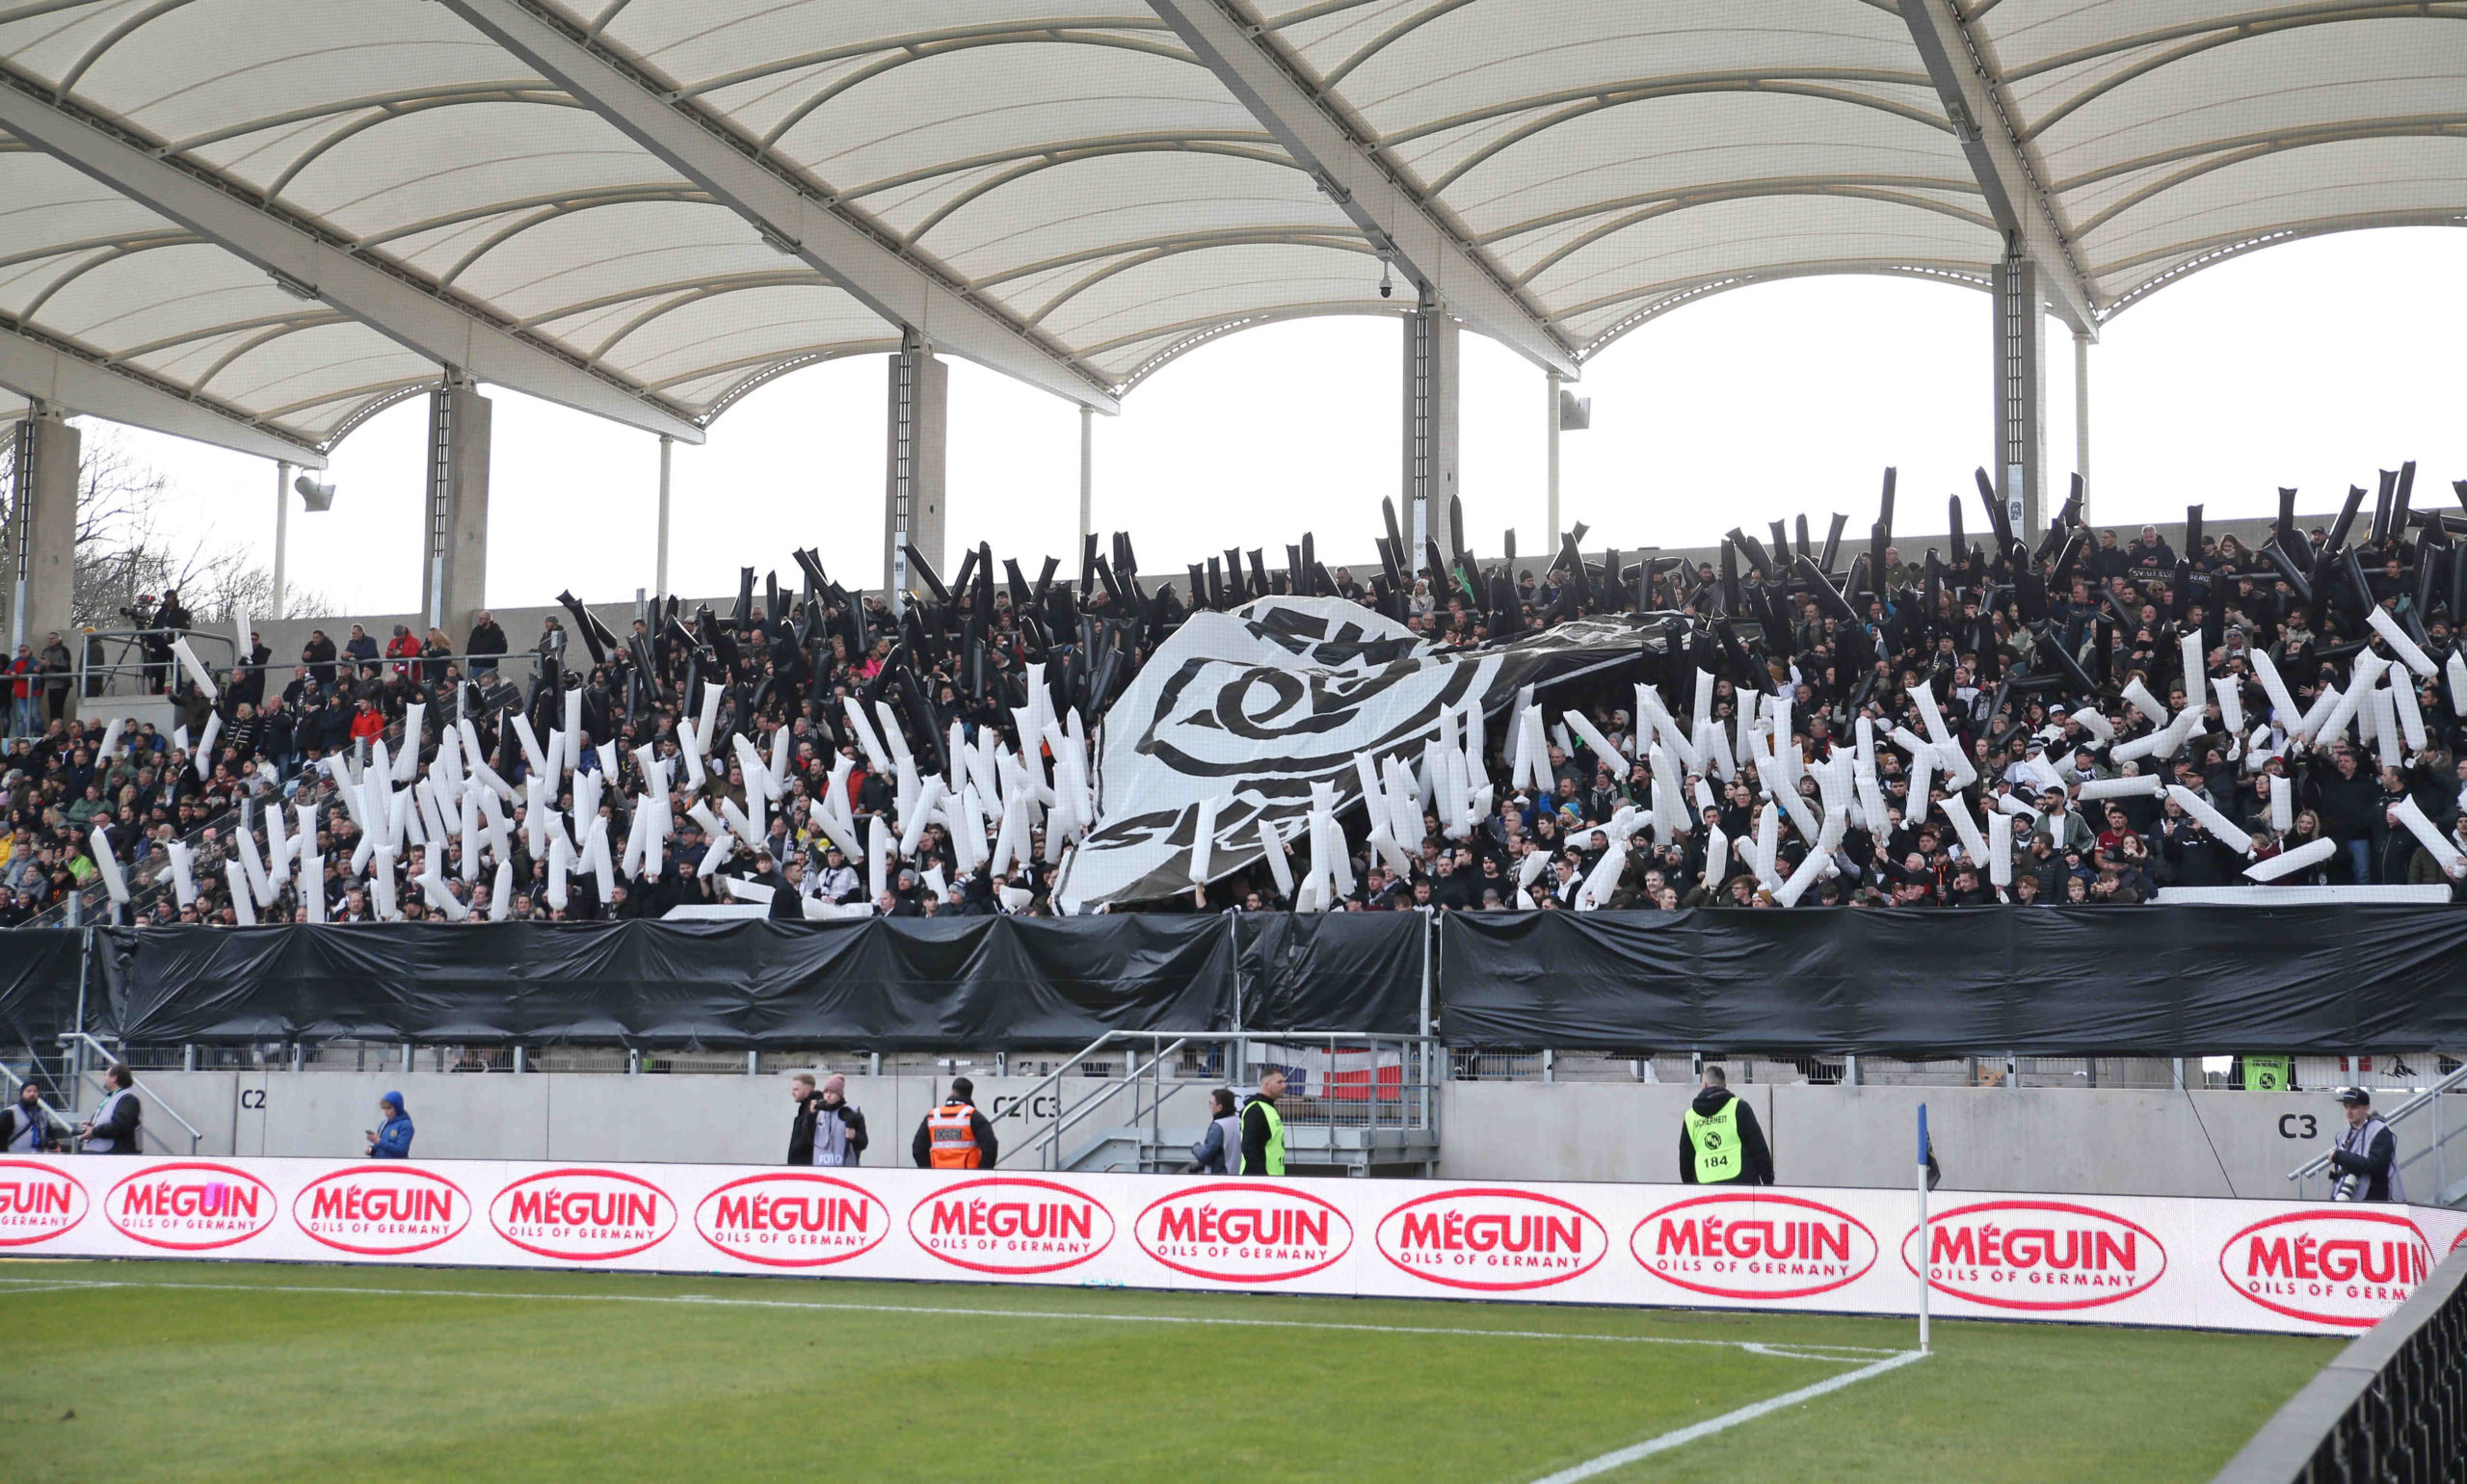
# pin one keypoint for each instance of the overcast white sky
(2310, 365)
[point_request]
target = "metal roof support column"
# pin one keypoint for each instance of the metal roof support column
(281, 532)
(459, 422)
(1431, 363)
(920, 417)
(659, 560)
(2020, 322)
(44, 541)
(1087, 473)
(2082, 415)
(1551, 522)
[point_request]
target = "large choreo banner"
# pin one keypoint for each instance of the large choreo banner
(1253, 708)
(2314, 1269)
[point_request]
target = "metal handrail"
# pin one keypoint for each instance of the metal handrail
(2393, 1118)
(138, 1083)
(1050, 1144)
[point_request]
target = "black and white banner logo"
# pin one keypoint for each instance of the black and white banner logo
(1252, 708)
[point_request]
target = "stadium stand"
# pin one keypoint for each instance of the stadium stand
(2137, 718)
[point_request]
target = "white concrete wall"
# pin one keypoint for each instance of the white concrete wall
(2066, 1140)
(687, 1120)
(2086, 1141)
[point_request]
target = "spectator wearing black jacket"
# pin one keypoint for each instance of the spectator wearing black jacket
(485, 645)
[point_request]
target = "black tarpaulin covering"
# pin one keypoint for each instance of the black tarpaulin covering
(38, 986)
(1343, 970)
(2040, 981)
(887, 983)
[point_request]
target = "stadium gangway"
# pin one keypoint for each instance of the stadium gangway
(79, 1039)
(1355, 1119)
(2443, 1192)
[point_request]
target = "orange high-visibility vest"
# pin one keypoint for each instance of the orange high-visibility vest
(952, 1133)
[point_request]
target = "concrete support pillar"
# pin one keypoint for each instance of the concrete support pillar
(1430, 484)
(1087, 473)
(452, 585)
(43, 543)
(920, 417)
(2021, 393)
(1550, 484)
(2082, 414)
(659, 564)
(281, 532)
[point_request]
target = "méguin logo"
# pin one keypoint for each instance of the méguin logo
(1005, 1225)
(382, 1210)
(2036, 1254)
(37, 1201)
(792, 1220)
(2342, 1267)
(1243, 1234)
(190, 1205)
(1753, 1246)
(582, 1215)
(1492, 1239)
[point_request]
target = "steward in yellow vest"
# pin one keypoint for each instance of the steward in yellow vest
(1264, 1128)
(1719, 1142)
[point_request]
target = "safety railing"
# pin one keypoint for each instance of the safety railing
(1360, 1093)
(2428, 1104)
(126, 662)
(138, 1084)
(2392, 1406)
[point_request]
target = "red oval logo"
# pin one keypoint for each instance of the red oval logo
(1006, 1224)
(583, 1215)
(1243, 1234)
(190, 1206)
(1492, 1239)
(2337, 1266)
(382, 1210)
(1750, 1246)
(2036, 1254)
(792, 1219)
(37, 1201)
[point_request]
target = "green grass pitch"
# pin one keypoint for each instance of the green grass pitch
(171, 1370)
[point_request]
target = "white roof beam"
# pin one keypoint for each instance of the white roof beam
(2010, 177)
(792, 215)
(45, 370)
(1399, 222)
(396, 304)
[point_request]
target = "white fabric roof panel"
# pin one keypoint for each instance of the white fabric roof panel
(1083, 175)
(2171, 132)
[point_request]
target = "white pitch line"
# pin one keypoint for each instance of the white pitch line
(1623, 1457)
(1784, 1351)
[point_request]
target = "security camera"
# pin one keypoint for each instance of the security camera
(1387, 284)
(313, 497)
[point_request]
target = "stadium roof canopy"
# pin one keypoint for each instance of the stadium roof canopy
(260, 221)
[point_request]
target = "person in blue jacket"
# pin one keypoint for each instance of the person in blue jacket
(392, 1138)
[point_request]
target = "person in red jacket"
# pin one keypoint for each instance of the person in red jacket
(404, 645)
(367, 724)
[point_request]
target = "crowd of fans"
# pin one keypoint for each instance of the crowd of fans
(2030, 656)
